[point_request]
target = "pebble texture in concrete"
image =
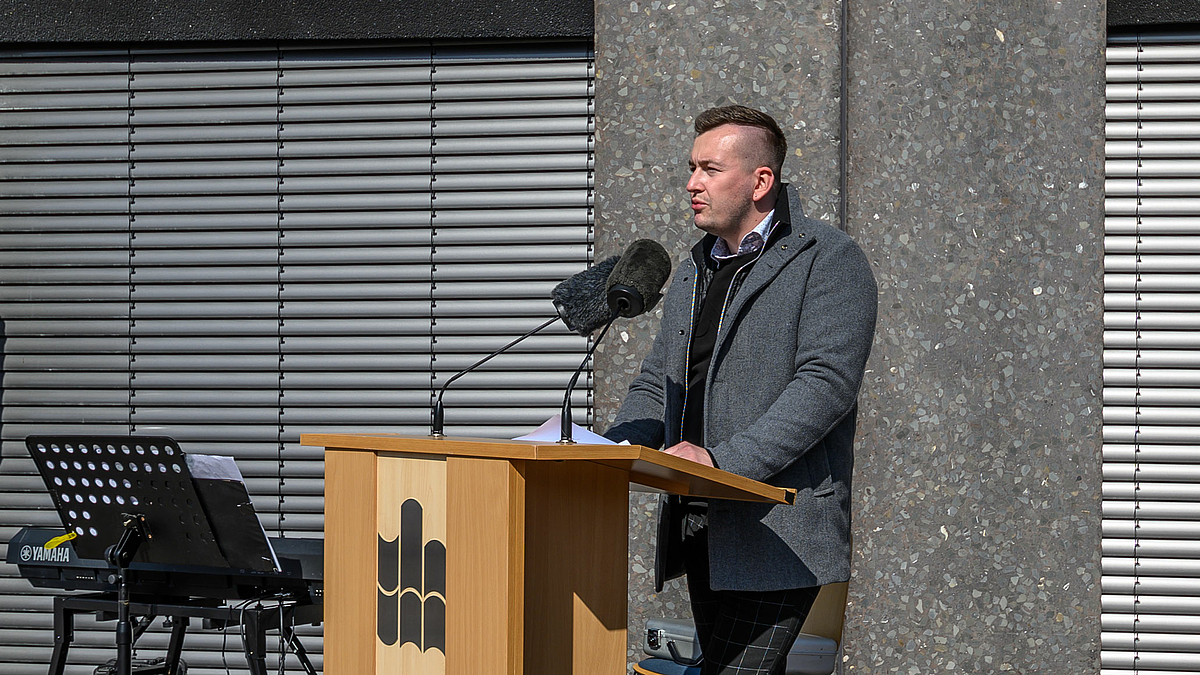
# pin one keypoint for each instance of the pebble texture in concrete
(976, 190)
(976, 143)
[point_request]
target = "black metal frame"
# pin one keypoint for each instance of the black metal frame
(255, 621)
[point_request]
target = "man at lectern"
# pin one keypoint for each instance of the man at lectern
(756, 368)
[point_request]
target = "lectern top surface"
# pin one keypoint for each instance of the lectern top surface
(648, 468)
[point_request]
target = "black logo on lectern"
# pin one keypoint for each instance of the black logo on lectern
(412, 585)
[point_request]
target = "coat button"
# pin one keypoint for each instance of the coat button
(681, 332)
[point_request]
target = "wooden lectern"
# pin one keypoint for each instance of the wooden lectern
(463, 556)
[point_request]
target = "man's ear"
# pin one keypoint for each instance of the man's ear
(764, 182)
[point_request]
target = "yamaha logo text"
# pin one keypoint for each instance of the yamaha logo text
(39, 554)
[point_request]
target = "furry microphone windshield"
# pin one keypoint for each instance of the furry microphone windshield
(636, 282)
(581, 300)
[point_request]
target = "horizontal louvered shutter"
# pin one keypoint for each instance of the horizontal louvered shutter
(64, 238)
(538, 210)
(235, 246)
(1151, 503)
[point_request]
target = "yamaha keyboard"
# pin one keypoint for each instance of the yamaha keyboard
(153, 531)
(289, 596)
(59, 567)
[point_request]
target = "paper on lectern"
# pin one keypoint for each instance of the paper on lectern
(551, 432)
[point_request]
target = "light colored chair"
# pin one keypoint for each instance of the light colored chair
(815, 649)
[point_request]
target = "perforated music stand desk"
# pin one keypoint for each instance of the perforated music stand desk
(95, 480)
(466, 556)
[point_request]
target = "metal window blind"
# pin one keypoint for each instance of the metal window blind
(1150, 619)
(235, 246)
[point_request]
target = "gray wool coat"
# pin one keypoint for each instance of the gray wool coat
(780, 399)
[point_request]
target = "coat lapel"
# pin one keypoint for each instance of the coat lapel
(777, 255)
(786, 242)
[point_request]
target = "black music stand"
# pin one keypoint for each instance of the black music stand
(135, 498)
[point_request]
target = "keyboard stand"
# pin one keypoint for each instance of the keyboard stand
(255, 620)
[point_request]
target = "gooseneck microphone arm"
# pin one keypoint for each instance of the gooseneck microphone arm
(624, 285)
(634, 286)
(439, 413)
(565, 414)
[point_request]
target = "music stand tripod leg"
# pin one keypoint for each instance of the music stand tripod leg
(120, 555)
(179, 626)
(64, 633)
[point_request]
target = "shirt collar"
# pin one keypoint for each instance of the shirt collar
(751, 243)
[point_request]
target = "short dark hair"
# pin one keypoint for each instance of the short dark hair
(748, 117)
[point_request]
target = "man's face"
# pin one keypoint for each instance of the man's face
(723, 181)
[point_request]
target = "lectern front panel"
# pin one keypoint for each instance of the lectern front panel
(481, 557)
(486, 567)
(410, 635)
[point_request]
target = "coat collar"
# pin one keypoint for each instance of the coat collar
(788, 237)
(786, 203)
(787, 240)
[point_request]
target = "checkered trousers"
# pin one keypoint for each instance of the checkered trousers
(742, 632)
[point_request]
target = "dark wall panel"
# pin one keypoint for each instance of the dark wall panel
(1152, 13)
(158, 20)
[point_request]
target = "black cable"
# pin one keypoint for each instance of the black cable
(293, 641)
(241, 607)
(224, 641)
(242, 625)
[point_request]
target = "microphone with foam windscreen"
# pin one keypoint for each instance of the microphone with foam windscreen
(634, 286)
(582, 305)
(582, 301)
